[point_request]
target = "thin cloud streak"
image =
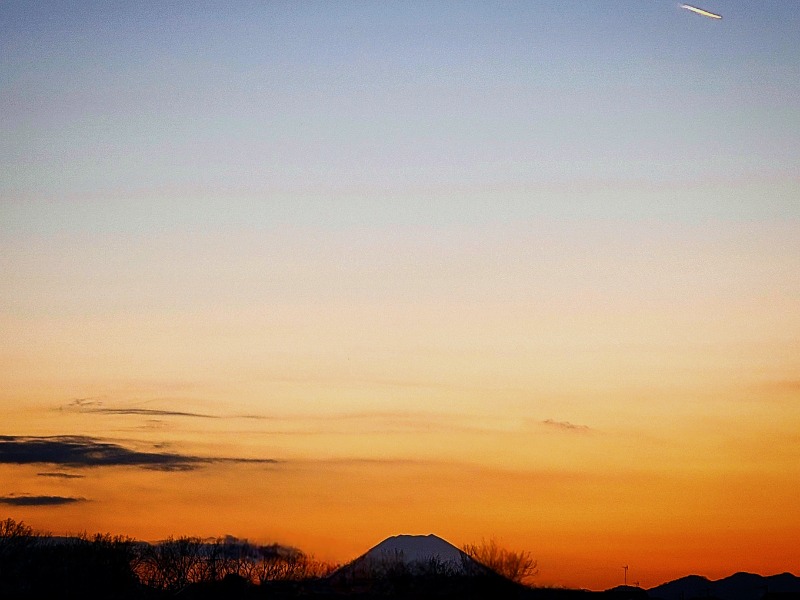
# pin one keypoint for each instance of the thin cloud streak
(57, 475)
(40, 500)
(565, 425)
(308, 424)
(94, 406)
(148, 412)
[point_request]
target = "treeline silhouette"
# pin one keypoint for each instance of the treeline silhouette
(34, 565)
(87, 567)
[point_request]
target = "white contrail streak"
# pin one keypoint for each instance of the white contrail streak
(700, 11)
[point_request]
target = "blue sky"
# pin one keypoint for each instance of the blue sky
(364, 106)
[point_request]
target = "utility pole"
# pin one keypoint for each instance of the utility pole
(626, 574)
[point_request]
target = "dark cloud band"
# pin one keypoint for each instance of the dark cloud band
(147, 412)
(91, 405)
(39, 500)
(82, 451)
(59, 475)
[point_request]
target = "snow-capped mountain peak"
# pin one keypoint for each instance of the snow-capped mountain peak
(415, 548)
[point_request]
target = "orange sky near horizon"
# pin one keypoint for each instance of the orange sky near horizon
(611, 408)
(579, 525)
(672, 488)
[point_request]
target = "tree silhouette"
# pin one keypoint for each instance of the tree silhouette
(519, 567)
(172, 564)
(15, 537)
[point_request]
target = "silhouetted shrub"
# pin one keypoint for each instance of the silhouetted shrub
(519, 567)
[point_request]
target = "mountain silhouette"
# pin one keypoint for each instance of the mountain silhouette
(739, 586)
(626, 592)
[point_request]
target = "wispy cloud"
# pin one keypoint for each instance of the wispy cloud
(565, 425)
(79, 403)
(59, 475)
(149, 412)
(97, 407)
(93, 405)
(82, 451)
(25, 500)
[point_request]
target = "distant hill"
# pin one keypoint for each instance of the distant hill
(625, 592)
(739, 586)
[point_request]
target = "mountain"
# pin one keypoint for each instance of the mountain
(739, 586)
(416, 548)
(420, 567)
(411, 554)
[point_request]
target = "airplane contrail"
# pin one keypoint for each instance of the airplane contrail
(700, 11)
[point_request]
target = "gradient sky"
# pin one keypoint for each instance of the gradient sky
(324, 272)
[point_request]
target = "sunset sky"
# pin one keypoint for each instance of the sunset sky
(319, 273)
